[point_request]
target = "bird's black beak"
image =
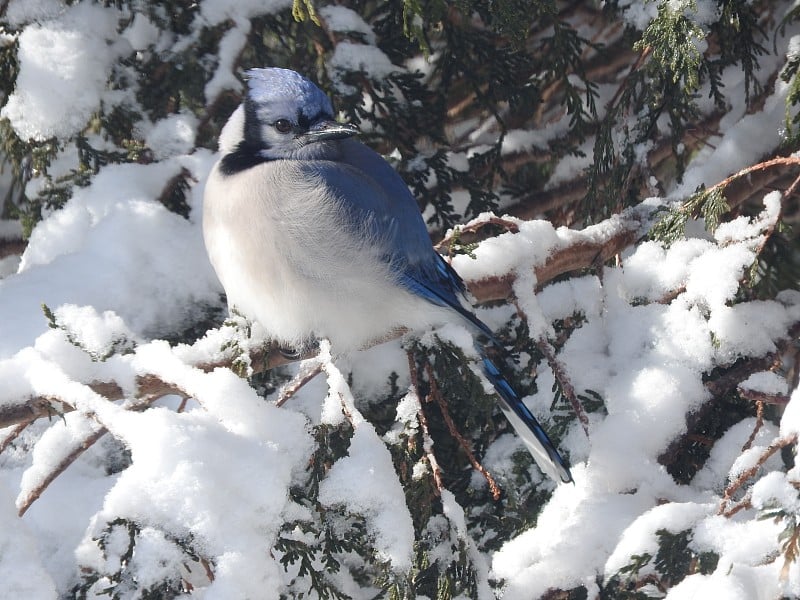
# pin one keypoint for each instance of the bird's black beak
(328, 130)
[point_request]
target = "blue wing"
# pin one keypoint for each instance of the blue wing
(444, 288)
(420, 268)
(382, 205)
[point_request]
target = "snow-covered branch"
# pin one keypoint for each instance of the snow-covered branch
(580, 250)
(153, 452)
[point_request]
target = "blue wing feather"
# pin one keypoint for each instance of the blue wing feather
(445, 290)
(381, 203)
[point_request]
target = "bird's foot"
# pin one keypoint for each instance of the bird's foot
(296, 353)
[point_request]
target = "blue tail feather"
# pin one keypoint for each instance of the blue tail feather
(444, 289)
(526, 425)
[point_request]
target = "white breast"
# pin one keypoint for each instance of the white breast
(285, 260)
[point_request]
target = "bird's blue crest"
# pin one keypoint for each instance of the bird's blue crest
(287, 91)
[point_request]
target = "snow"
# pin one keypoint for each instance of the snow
(182, 481)
(749, 329)
(790, 423)
(234, 39)
(639, 14)
(674, 517)
(348, 57)
(172, 136)
(766, 382)
(343, 19)
(719, 468)
(121, 273)
(365, 482)
(377, 494)
(230, 47)
(508, 252)
(141, 33)
(119, 206)
(22, 573)
(647, 363)
(63, 71)
(21, 12)
(215, 12)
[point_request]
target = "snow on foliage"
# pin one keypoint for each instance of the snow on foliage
(64, 67)
(200, 488)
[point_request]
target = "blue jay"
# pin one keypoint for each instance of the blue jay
(314, 235)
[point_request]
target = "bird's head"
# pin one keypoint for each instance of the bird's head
(285, 115)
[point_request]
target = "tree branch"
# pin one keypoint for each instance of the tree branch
(435, 395)
(726, 381)
(774, 447)
(584, 253)
(80, 447)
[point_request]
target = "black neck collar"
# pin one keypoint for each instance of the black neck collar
(244, 157)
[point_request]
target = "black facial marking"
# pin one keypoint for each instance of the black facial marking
(247, 153)
(242, 158)
(303, 121)
(252, 129)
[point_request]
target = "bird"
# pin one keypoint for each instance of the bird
(315, 236)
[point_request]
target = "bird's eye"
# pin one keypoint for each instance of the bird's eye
(283, 125)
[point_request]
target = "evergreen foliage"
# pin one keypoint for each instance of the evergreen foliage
(647, 575)
(619, 107)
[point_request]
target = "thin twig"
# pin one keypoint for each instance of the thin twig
(634, 67)
(14, 433)
(207, 568)
(774, 447)
(745, 503)
(84, 444)
(436, 395)
(427, 441)
(427, 446)
(297, 383)
(759, 422)
(476, 225)
(546, 348)
(87, 442)
(778, 161)
(560, 373)
(792, 188)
